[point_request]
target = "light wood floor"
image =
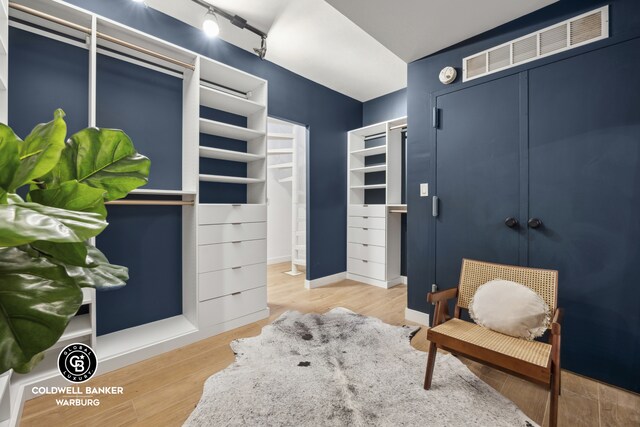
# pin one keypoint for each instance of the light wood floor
(163, 391)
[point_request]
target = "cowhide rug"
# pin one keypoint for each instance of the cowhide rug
(344, 369)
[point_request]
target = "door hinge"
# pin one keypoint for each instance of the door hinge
(436, 117)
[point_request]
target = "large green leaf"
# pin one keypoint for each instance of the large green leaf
(23, 223)
(102, 158)
(65, 253)
(71, 195)
(40, 151)
(37, 299)
(9, 159)
(99, 274)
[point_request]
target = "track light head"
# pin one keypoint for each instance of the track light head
(210, 24)
(262, 50)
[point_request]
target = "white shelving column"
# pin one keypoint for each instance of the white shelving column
(373, 232)
(231, 237)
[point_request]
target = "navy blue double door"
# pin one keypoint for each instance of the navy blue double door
(542, 169)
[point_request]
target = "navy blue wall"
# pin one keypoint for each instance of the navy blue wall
(329, 115)
(386, 107)
(148, 240)
(32, 72)
(423, 80)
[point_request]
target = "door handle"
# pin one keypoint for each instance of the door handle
(511, 222)
(534, 223)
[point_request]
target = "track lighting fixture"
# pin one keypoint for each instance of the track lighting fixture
(262, 50)
(211, 27)
(210, 24)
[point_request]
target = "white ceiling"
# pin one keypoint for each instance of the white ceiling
(308, 37)
(357, 47)
(413, 29)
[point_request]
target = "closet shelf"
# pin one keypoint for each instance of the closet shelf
(280, 151)
(367, 169)
(79, 326)
(280, 136)
(381, 149)
(224, 75)
(368, 187)
(230, 179)
(211, 127)
(159, 192)
(282, 166)
(234, 156)
(223, 101)
(287, 179)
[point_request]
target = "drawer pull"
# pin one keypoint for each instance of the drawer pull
(236, 205)
(236, 268)
(236, 223)
(365, 245)
(365, 229)
(364, 260)
(365, 217)
(236, 293)
(237, 241)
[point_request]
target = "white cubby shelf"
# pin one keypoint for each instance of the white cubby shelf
(231, 155)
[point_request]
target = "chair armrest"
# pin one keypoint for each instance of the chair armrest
(555, 323)
(447, 294)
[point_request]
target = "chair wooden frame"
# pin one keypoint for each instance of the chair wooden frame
(544, 282)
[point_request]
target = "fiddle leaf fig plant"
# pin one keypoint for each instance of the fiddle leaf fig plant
(45, 255)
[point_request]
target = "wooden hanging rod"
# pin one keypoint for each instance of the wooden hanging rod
(403, 126)
(151, 202)
(100, 35)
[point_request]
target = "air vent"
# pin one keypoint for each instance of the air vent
(583, 29)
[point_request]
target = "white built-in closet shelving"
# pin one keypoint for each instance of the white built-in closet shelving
(373, 232)
(223, 245)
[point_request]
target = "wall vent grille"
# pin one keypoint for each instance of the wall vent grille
(583, 29)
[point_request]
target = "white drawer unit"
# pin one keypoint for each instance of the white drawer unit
(365, 268)
(367, 252)
(228, 255)
(229, 214)
(224, 233)
(368, 210)
(229, 307)
(369, 236)
(218, 283)
(367, 222)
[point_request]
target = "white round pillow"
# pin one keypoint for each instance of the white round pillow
(510, 308)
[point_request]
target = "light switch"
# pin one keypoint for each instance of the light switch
(424, 189)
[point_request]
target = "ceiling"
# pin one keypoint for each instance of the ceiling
(423, 27)
(352, 46)
(308, 37)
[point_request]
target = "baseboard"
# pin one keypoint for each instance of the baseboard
(404, 279)
(324, 281)
(384, 284)
(416, 316)
(278, 259)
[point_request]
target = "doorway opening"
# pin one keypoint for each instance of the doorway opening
(287, 195)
